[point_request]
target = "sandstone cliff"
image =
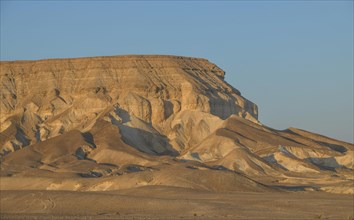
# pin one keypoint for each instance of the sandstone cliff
(107, 116)
(49, 97)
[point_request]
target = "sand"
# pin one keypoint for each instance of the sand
(159, 202)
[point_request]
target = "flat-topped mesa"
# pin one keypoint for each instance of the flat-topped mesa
(110, 116)
(45, 98)
(149, 86)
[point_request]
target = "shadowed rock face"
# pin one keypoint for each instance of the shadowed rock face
(101, 116)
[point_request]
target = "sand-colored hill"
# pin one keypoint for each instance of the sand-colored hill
(116, 123)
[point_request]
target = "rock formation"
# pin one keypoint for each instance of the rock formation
(137, 119)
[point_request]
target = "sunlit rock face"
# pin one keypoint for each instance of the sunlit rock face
(49, 97)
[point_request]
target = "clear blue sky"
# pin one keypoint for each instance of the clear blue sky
(293, 58)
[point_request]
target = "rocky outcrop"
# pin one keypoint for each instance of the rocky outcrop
(50, 97)
(125, 114)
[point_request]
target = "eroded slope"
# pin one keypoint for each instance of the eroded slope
(108, 123)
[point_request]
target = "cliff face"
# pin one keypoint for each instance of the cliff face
(61, 95)
(163, 85)
(78, 115)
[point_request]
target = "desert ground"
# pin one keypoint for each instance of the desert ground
(159, 202)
